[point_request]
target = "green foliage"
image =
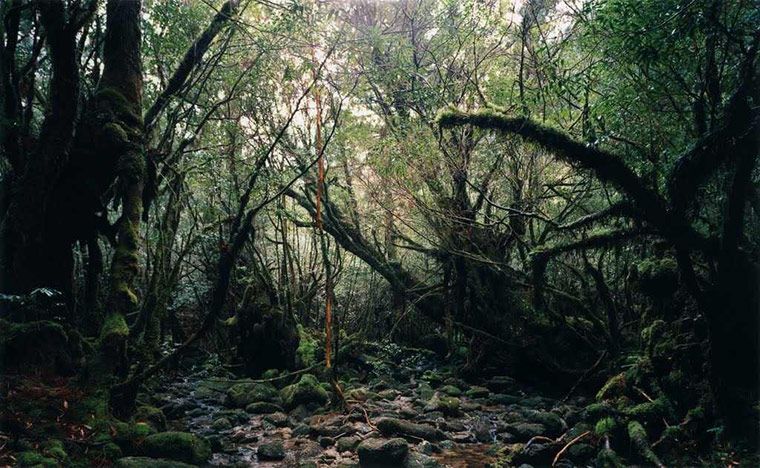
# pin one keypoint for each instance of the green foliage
(308, 347)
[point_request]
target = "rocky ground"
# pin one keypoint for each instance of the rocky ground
(402, 410)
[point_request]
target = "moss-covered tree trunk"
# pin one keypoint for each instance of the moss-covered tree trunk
(117, 114)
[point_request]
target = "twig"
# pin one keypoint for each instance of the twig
(567, 446)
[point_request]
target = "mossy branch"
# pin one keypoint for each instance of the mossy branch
(607, 167)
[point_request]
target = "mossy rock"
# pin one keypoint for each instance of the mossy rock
(449, 406)
(146, 462)
(262, 407)
(271, 451)
(382, 452)
(151, 415)
(477, 392)
(180, 446)
(306, 391)
(35, 459)
(55, 449)
(525, 431)
(243, 394)
(394, 426)
(451, 390)
(129, 436)
(44, 344)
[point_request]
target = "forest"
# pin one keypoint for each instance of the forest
(379, 233)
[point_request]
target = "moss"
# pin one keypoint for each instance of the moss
(595, 411)
(651, 410)
(307, 390)
(111, 451)
(129, 436)
(607, 458)
(605, 426)
(152, 416)
(658, 278)
(34, 459)
(243, 394)
(117, 103)
(114, 327)
(308, 347)
(640, 439)
(614, 387)
(54, 449)
(181, 446)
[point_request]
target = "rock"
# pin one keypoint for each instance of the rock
(145, 462)
(419, 460)
(502, 399)
(326, 441)
(501, 384)
(433, 378)
(151, 415)
(477, 392)
(481, 429)
(388, 394)
(581, 452)
(536, 454)
(427, 448)
(271, 451)
(243, 394)
(129, 436)
(306, 391)
(393, 426)
(552, 422)
(347, 444)
(221, 424)
(451, 390)
(278, 419)
(181, 446)
(425, 391)
(525, 431)
(453, 426)
(262, 407)
(449, 406)
(382, 452)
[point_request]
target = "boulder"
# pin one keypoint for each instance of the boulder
(393, 426)
(347, 444)
(243, 394)
(151, 415)
(382, 452)
(271, 451)
(262, 407)
(525, 431)
(306, 391)
(180, 446)
(419, 460)
(477, 392)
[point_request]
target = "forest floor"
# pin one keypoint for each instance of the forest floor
(404, 408)
(410, 407)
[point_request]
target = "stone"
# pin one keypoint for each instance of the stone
(382, 452)
(326, 441)
(221, 424)
(146, 462)
(420, 460)
(278, 419)
(501, 384)
(151, 415)
(525, 431)
(347, 444)
(180, 446)
(243, 394)
(271, 451)
(451, 390)
(448, 405)
(306, 391)
(393, 426)
(477, 392)
(262, 407)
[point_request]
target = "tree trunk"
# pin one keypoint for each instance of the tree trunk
(117, 113)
